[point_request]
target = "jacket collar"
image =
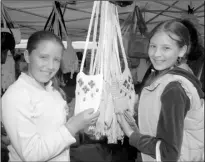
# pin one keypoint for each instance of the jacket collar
(157, 77)
(30, 80)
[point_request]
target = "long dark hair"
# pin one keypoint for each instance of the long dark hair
(196, 46)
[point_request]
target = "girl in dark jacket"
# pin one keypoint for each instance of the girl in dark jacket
(170, 107)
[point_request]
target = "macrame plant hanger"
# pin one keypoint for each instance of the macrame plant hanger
(106, 84)
(89, 86)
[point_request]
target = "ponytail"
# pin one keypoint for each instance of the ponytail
(196, 48)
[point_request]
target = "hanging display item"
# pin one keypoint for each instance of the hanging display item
(89, 87)
(136, 44)
(108, 87)
(56, 24)
(7, 25)
(8, 72)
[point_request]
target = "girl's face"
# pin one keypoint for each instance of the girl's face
(164, 51)
(44, 61)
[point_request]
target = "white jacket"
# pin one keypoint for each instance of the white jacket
(34, 119)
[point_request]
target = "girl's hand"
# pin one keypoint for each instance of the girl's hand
(82, 120)
(127, 123)
(124, 125)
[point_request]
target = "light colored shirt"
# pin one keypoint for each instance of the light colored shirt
(34, 119)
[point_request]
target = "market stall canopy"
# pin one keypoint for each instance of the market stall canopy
(31, 15)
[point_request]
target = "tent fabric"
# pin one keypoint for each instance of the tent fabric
(32, 15)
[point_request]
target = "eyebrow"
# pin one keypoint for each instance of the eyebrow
(161, 44)
(58, 57)
(43, 53)
(166, 44)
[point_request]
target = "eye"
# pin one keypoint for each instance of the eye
(152, 46)
(57, 59)
(43, 57)
(166, 48)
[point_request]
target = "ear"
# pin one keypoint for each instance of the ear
(26, 56)
(183, 51)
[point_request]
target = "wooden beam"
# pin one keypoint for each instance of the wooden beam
(161, 12)
(26, 26)
(29, 22)
(168, 11)
(84, 18)
(157, 11)
(41, 1)
(34, 7)
(168, 15)
(75, 9)
(202, 5)
(165, 4)
(30, 13)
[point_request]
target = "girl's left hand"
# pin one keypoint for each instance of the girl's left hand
(127, 123)
(124, 125)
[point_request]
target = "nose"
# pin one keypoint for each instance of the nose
(157, 52)
(50, 65)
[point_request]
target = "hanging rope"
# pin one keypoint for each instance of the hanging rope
(108, 87)
(7, 25)
(56, 24)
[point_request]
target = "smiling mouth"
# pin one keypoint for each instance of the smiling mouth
(158, 60)
(47, 73)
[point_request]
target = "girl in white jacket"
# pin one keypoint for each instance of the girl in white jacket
(34, 110)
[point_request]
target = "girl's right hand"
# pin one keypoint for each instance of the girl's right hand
(82, 120)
